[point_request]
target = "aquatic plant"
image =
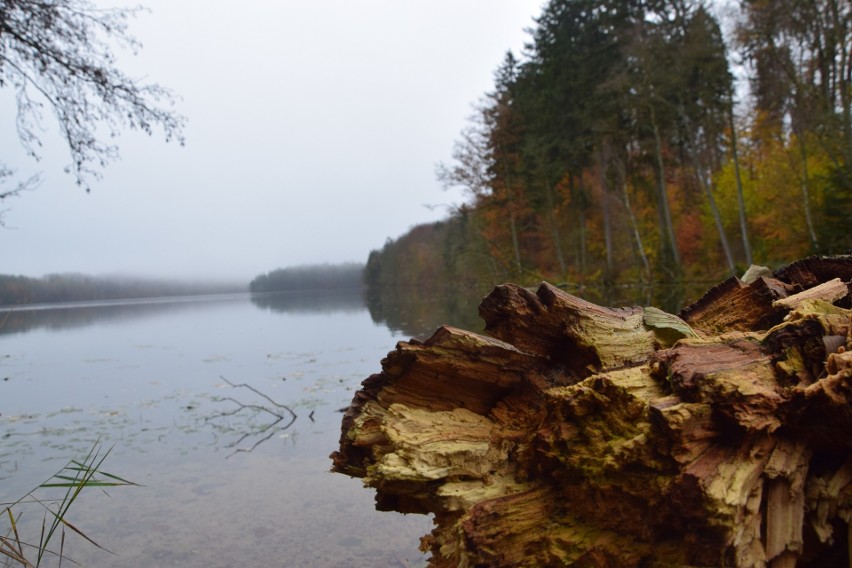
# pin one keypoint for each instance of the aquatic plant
(18, 550)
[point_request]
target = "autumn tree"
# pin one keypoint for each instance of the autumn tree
(644, 79)
(612, 149)
(702, 98)
(487, 165)
(800, 52)
(505, 131)
(575, 49)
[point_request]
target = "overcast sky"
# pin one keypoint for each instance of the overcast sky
(314, 130)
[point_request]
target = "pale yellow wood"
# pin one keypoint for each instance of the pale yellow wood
(830, 292)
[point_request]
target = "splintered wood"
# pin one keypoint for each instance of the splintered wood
(578, 435)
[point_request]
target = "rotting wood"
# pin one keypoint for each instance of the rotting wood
(830, 291)
(580, 435)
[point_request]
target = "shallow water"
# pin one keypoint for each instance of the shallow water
(151, 380)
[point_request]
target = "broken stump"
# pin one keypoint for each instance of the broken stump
(578, 435)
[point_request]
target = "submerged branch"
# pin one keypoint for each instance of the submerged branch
(280, 412)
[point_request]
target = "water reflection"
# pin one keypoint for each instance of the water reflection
(404, 311)
(407, 313)
(319, 301)
(668, 297)
(257, 420)
(70, 315)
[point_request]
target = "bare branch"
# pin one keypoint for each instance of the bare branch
(263, 433)
(59, 54)
(26, 185)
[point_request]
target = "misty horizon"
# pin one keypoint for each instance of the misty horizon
(18, 290)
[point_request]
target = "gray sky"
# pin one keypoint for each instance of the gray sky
(314, 130)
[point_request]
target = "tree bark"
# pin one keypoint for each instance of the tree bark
(634, 227)
(579, 435)
(603, 160)
(805, 184)
(741, 208)
(554, 229)
(707, 187)
(668, 225)
(513, 228)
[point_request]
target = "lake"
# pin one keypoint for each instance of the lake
(223, 481)
(221, 484)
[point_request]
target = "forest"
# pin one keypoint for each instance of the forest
(648, 141)
(314, 277)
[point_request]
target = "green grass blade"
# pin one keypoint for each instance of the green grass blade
(121, 480)
(74, 477)
(88, 484)
(84, 473)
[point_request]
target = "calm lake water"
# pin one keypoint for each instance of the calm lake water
(150, 380)
(221, 484)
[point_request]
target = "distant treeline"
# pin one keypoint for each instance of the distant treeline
(16, 290)
(310, 277)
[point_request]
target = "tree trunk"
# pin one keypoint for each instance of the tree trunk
(580, 435)
(634, 227)
(735, 155)
(513, 227)
(579, 202)
(668, 226)
(554, 229)
(706, 185)
(606, 214)
(806, 195)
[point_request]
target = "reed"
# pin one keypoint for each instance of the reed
(19, 550)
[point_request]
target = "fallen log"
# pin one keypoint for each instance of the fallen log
(574, 434)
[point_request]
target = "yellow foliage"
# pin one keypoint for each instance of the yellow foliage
(772, 173)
